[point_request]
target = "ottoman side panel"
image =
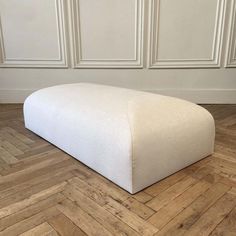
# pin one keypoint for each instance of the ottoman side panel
(168, 134)
(84, 129)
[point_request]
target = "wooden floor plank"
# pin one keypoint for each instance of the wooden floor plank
(171, 193)
(159, 187)
(184, 220)
(32, 172)
(13, 208)
(37, 183)
(43, 229)
(30, 211)
(82, 219)
(128, 217)
(7, 157)
(12, 139)
(64, 226)
(138, 208)
(29, 223)
(12, 149)
(142, 197)
(175, 206)
(101, 184)
(210, 219)
(227, 227)
(106, 219)
(19, 136)
(30, 162)
(44, 191)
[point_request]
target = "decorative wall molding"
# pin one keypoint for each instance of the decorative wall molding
(77, 46)
(231, 43)
(212, 61)
(61, 61)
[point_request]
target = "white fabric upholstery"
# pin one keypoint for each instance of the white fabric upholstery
(133, 138)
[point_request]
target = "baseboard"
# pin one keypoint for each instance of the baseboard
(200, 96)
(14, 95)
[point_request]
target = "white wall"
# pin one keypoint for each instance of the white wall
(183, 48)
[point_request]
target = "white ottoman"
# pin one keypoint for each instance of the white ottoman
(133, 138)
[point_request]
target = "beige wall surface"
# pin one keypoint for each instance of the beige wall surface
(183, 48)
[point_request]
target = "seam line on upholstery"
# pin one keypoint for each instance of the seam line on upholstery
(132, 149)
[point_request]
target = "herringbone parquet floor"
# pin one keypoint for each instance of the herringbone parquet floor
(44, 191)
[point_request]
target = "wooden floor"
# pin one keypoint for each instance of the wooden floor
(44, 191)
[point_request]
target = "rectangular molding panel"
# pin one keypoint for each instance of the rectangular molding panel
(107, 33)
(32, 33)
(231, 44)
(185, 33)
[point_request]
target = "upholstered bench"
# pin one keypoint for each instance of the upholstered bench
(132, 138)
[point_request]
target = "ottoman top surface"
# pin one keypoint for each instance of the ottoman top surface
(90, 97)
(96, 93)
